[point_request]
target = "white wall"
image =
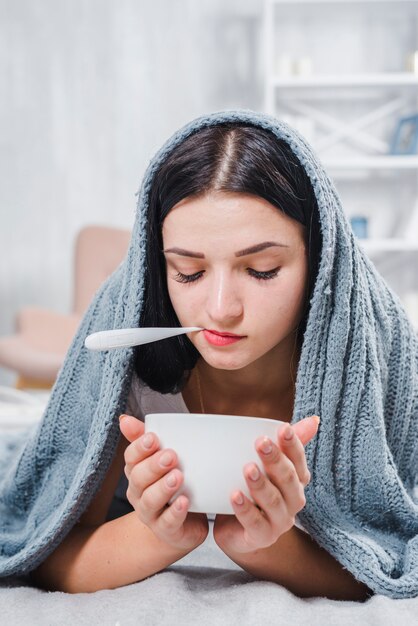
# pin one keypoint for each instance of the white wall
(90, 89)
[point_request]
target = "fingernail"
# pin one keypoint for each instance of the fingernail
(316, 418)
(288, 433)
(147, 441)
(254, 473)
(166, 459)
(170, 480)
(121, 417)
(239, 499)
(266, 446)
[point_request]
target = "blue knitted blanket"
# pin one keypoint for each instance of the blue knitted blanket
(358, 370)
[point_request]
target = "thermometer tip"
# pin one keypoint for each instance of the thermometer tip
(91, 342)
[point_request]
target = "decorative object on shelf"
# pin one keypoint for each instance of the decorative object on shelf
(405, 138)
(412, 62)
(303, 66)
(360, 226)
(286, 66)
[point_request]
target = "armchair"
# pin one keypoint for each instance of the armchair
(37, 349)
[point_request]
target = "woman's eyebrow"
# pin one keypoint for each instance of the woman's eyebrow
(252, 250)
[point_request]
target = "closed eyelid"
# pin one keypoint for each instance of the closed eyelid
(260, 276)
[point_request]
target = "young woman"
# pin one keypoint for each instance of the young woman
(232, 241)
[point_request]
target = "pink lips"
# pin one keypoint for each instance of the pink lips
(220, 339)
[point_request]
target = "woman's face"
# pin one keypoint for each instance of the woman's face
(258, 295)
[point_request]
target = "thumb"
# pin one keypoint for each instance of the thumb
(131, 427)
(307, 428)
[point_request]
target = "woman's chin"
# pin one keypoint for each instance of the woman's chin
(224, 361)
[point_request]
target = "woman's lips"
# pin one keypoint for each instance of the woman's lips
(217, 339)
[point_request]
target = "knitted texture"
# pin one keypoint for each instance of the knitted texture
(358, 371)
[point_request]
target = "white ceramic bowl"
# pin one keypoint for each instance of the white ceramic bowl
(212, 451)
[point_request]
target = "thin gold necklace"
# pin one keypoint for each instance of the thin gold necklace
(202, 407)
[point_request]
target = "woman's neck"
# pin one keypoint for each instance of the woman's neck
(265, 388)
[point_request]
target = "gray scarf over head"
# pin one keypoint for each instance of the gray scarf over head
(358, 371)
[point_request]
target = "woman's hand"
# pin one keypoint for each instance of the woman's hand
(149, 493)
(279, 495)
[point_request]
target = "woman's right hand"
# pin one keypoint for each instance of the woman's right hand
(149, 493)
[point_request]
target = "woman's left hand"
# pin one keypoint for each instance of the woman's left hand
(279, 494)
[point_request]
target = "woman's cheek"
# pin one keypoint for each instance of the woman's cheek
(285, 307)
(176, 301)
(185, 305)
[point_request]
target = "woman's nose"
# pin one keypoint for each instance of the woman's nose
(223, 300)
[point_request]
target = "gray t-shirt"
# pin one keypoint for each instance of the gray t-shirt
(142, 400)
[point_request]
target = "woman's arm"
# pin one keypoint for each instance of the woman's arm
(292, 559)
(117, 553)
(103, 555)
(298, 563)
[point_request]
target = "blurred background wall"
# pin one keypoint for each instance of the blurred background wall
(90, 89)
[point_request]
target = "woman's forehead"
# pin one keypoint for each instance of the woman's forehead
(199, 228)
(241, 219)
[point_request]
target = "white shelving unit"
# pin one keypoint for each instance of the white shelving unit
(373, 83)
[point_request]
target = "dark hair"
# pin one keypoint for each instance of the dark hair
(229, 157)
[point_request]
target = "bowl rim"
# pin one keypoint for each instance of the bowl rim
(218, 416)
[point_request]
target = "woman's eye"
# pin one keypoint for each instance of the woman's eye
(191, 278)
(187, 278)
(264, 275)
